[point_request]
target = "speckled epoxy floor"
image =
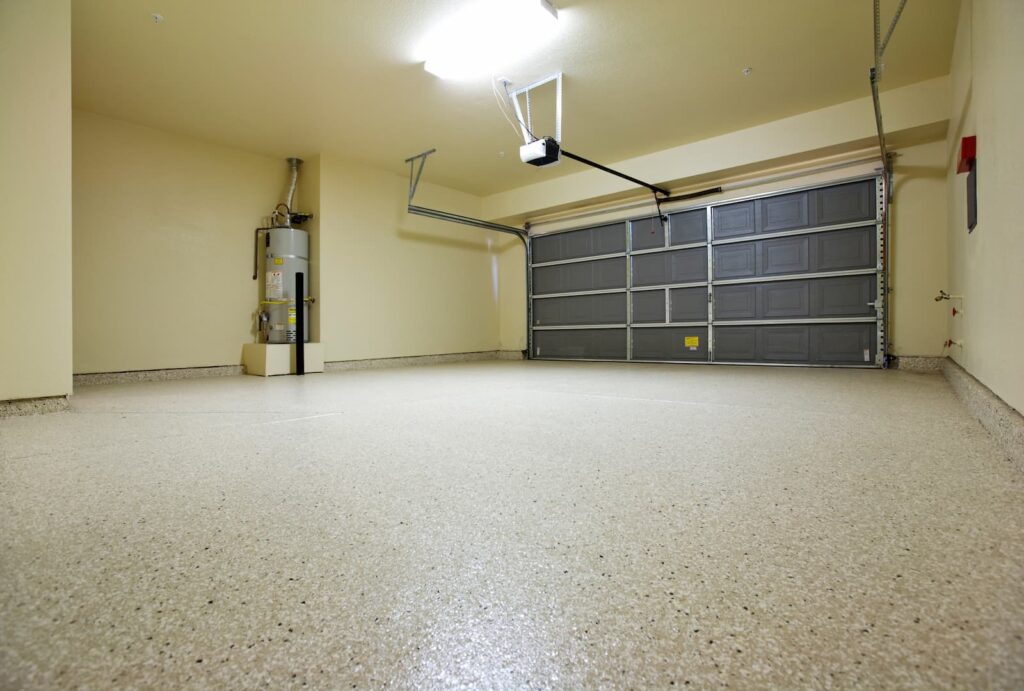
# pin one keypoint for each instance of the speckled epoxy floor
(512, 525)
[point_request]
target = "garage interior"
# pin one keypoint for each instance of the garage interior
(309, 379)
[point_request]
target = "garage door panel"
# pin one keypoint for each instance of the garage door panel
(844, 296)
(736, 343)
(688, 227)
(647, 233)
(815, 344)
(846, 203)
(735, 261)
(835, 250)
(671, 343)
(736, 302)
(566, 278)
(588, 242)
(591, 344)
(784, 256)
(689, 304)
(784, 212)
(734, 220)
(649, 307)
(790, 343)
(789, 299)
(845, 344)
(677, 266)
(606, 308)
(853, 248)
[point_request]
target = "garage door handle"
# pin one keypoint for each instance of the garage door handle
(872, 304)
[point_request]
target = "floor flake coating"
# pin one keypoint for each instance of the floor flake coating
(512, 525)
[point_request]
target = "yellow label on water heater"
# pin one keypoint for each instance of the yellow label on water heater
(291, 315)
(279, 260)
(691, 342)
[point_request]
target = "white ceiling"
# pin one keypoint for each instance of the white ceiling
(298, 77)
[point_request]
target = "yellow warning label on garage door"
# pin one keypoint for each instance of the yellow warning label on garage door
(691, 342)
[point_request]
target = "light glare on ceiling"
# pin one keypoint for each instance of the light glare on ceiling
(486, 35)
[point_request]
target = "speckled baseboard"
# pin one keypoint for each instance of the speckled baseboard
(33, 406)
(917, 363)
(156, 375)
(231, 370)
(381, 363)
(1004, 423)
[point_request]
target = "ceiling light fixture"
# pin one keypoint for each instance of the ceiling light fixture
(487, 34)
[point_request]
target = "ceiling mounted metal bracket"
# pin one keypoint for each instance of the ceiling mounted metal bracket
(415, 181)
(526, 124)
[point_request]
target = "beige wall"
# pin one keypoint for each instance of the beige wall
(987, 266)
(396, 285)
(163, 232)
(919, 251)
(163, 243)
(512, 273)
(35, 195)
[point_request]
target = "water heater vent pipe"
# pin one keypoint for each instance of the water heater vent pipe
(289, 202)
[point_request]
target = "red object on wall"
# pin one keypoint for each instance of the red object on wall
(968, 152)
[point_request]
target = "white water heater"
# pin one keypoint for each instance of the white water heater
(287, 254)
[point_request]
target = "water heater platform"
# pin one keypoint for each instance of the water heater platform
(271, 359)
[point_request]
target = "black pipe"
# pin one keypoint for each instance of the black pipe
(300, 324)
(692, 195)
(606, 169)
(256, 252)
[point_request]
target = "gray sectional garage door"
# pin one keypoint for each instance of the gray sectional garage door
(790, 278)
